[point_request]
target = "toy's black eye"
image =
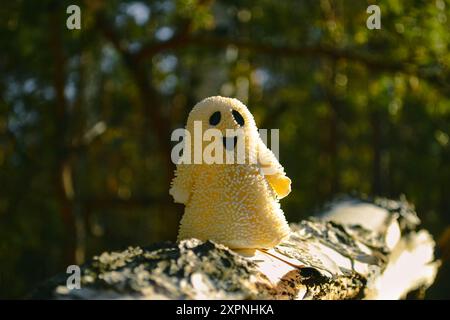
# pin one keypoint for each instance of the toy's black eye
(238, 117)
(215, 118)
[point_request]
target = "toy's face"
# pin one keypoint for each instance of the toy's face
(227, 115)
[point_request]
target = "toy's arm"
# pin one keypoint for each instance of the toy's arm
(182, 183)
(273, 171)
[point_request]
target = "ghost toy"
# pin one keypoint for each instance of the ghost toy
(235, 204)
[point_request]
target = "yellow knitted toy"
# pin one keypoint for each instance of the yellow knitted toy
(234, 204)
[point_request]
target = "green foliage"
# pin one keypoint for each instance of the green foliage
(86, 115)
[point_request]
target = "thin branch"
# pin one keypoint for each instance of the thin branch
(149, 96)
(371, 61)
(180, 39)
(149, 50)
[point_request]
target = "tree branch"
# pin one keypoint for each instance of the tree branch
(371, 61)
(150, 99)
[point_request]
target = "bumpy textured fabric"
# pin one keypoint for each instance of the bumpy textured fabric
(233, 204)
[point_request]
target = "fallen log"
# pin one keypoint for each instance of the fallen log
(353, 249)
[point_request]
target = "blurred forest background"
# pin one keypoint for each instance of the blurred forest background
(86, 115)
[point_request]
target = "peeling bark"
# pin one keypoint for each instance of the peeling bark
(355, 249)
